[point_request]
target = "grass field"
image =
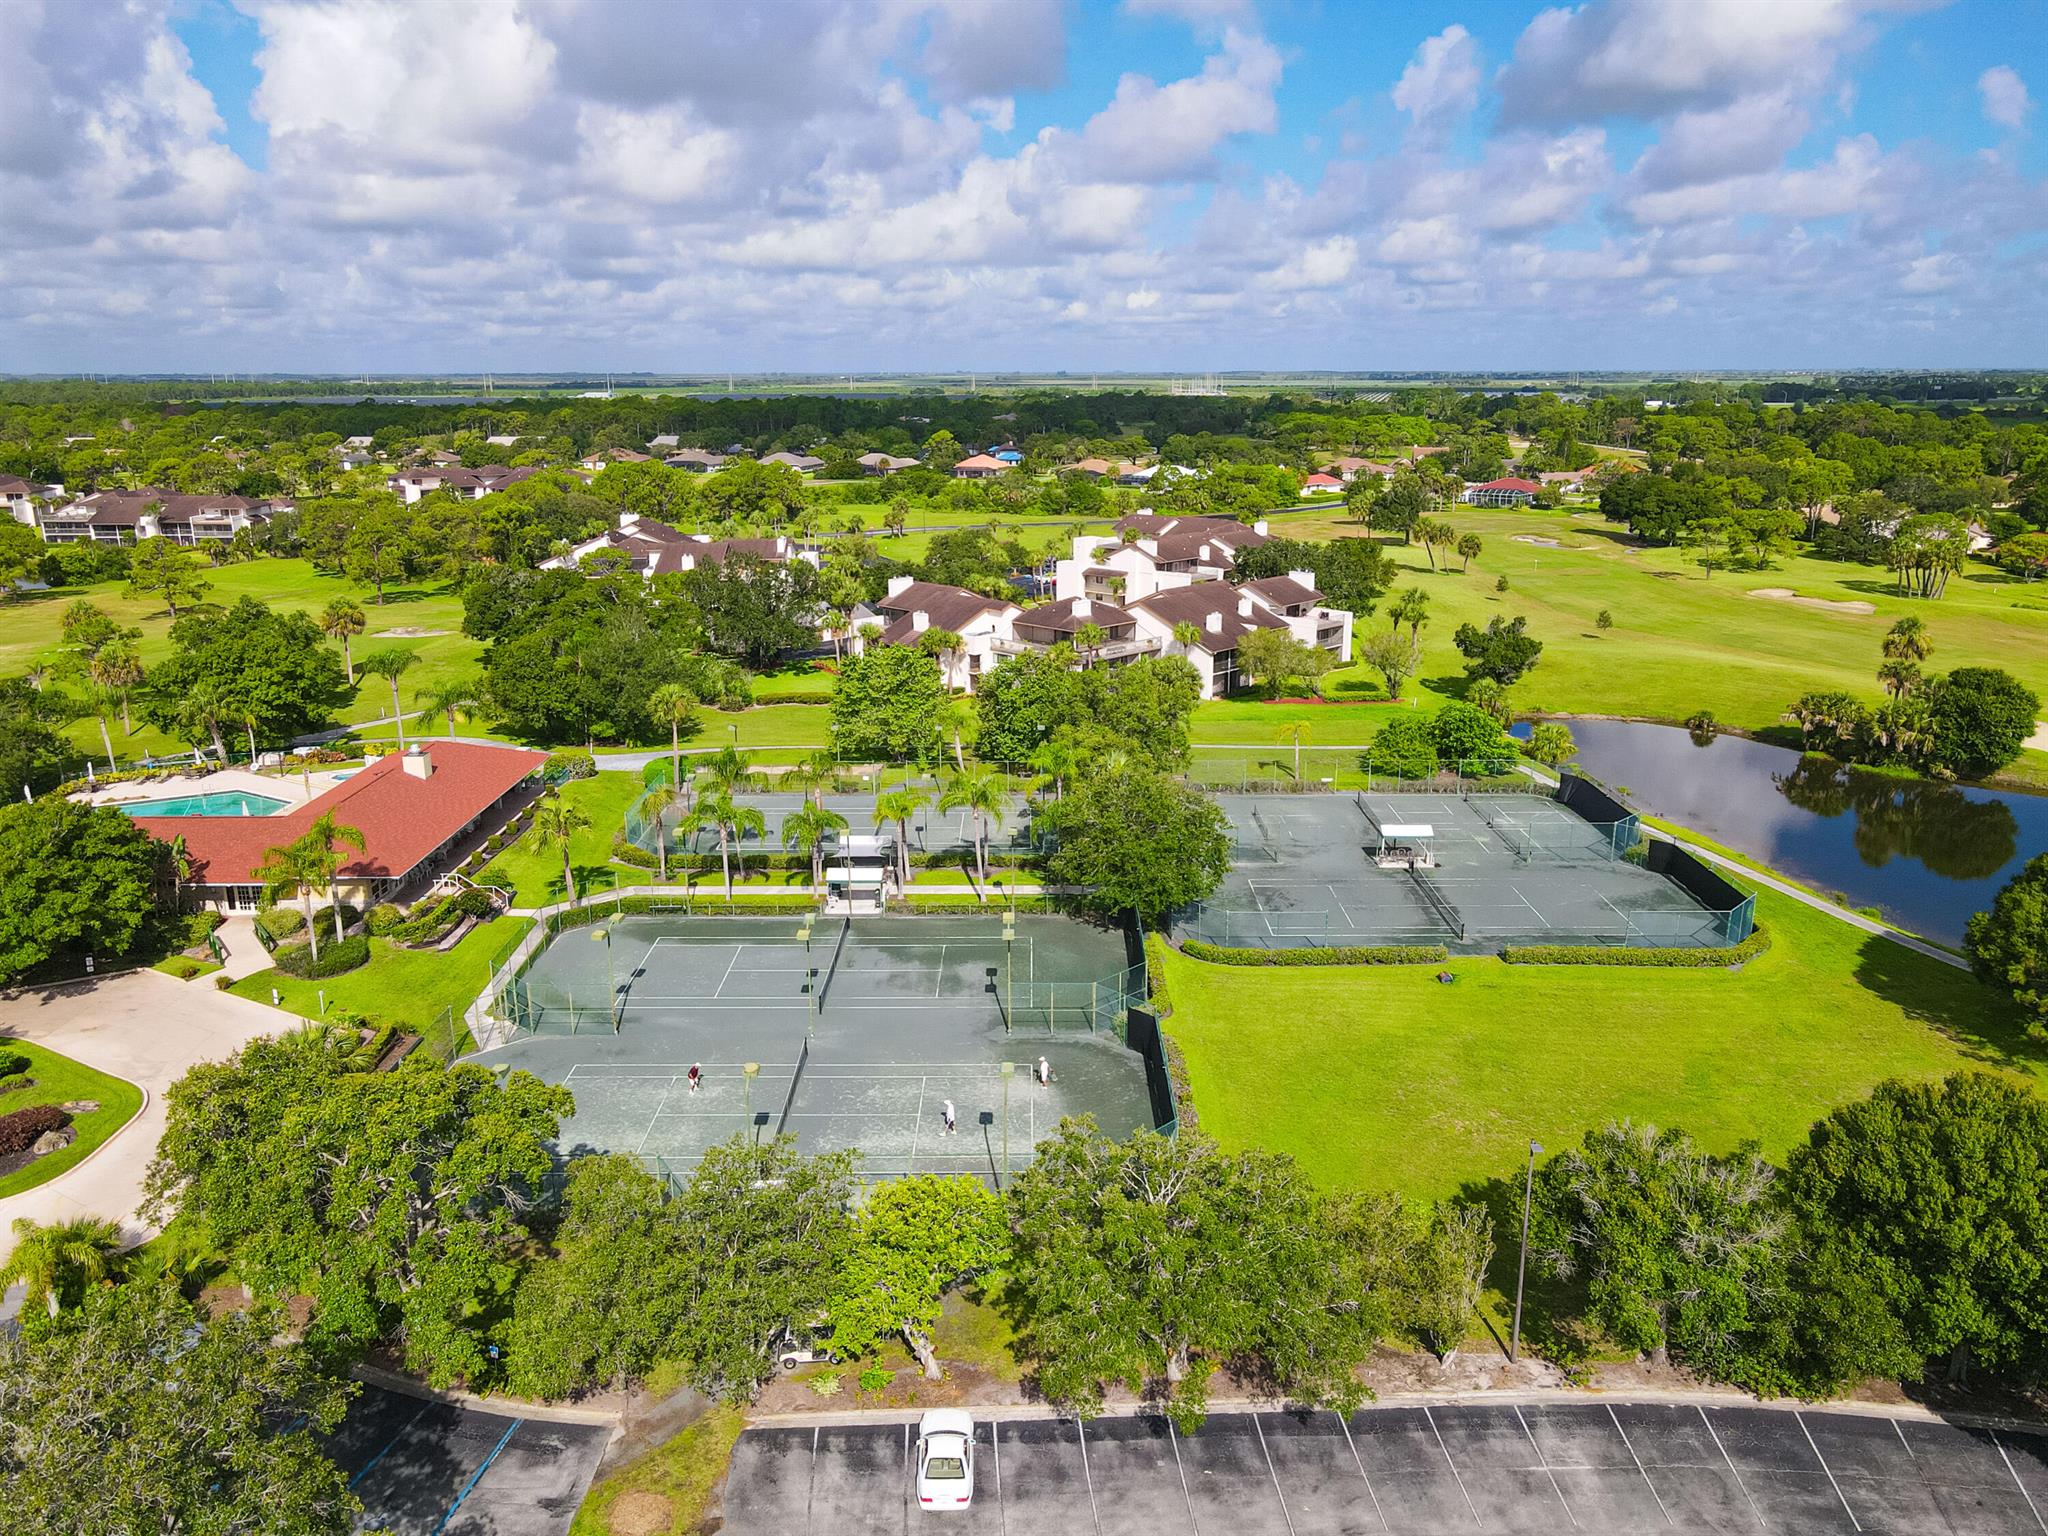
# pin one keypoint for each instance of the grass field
(58, 1080)
(1383, 1078)
(410, 987)
(666, 1490)
(1683, 640)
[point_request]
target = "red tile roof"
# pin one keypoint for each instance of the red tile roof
(403, 820)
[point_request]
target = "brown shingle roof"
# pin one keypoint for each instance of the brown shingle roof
(1195, 603)
(947, 608)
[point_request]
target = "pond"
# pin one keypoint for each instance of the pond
(1925, 854)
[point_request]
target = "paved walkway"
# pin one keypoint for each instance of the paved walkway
(143, 1026)
(246, 954)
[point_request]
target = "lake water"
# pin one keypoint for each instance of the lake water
(1927, 855)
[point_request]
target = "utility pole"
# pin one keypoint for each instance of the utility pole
(1522, 1255)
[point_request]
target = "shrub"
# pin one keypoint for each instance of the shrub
(384, 919)
(1599, 954)
(12, 1062)
(1155, 972)
(826, 1383)
(335, 958)
(874, 1378)
(802, 696)
(280, 923)
(16, 1084)
(1352, 954)
(19, 1130)
(566, 763)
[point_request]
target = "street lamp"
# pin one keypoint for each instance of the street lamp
(604, 936)
(1010, 966)
(749, 1071)
(1522, 1256)
(1009, 1071)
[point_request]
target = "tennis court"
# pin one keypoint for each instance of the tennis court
(1471, 871)
(859, 1032)
(932, 831)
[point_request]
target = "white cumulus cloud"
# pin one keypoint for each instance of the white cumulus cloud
(2004, 96)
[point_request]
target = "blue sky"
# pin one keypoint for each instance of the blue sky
(873, 185)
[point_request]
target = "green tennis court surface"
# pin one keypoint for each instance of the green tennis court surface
(1472, 872)
(861, 1032)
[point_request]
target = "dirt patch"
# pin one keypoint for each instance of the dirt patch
(409, 632)
(1826, 604)
(640, 1513)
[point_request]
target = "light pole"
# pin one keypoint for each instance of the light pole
(1009, 1071)
(604, 936)
(749, 1071)
(810, 976)
(1009, 970)
(1522, 1255)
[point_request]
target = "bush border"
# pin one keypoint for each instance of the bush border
(1351, 954)
(1758, 941)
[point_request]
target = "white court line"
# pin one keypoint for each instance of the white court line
(735, 960)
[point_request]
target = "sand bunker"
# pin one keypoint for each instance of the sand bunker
(1832, 605)
(1530, 538)
(408, 632)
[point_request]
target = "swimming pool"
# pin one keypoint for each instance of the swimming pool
(225, 802)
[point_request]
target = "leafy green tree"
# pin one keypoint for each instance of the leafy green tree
(1274, 658)
(1393, 656)
(752, 608)
(140, 1413)
(1152, 1261)
(1980, 719)
(2008, 945)
(555, 824)
(1677, 1251)
(1926, 550)
(1470, 740)
(1146, 706)
(87, 628)
(1930, 1200)
(914, 1240)
(162, 569)
(887, 704)
(22, 553)
(75, 880)
(1403, 748)
(1503, 651)
(1021, 702)
(1401, 506)
(247, 661)
(397, 1201)
(603, 1310)
(986, 793)
(763, 1236)
(59, 1263)
(1446, 1270)
(1139, 841)
(379, 547)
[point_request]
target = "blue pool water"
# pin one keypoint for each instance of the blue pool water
(235, 802)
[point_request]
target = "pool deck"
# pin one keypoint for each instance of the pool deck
(291, 789)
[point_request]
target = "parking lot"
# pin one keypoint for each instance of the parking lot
(439, 1469)
(1552, 1467)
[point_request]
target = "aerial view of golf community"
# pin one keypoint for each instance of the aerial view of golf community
(1054, 767)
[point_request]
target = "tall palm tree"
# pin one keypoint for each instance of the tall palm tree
(117, 667)
(392, 663)
(1056, 756)
(955, 711)
(324, 840)
(343, 620)
(811, 775)
(1089, 639)
(655, 805)
(59, 1262)
(248, 719)
(716, 808)
(450, 696)
(1298, 731)
(1908, 640)
(205, 710)
(899, 805)
(290, 867)
(675, 706)
(1410, 608)
(1187, 635)
(102, 706)
(729, 770)
(982, 791)
(807, 827)
(556, 822)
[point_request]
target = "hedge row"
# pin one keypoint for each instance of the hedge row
(335, 958)
(1350, 954)
(1599, 954)
(18, 1131)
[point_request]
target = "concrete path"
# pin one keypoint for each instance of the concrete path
(143, 1026)
(2039, 740)
(246, 954)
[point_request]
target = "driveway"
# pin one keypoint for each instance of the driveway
(1541, 1467)
(143, 1026)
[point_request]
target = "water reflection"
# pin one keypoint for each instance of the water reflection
(1927, 855)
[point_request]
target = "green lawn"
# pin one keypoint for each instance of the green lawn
(409, 987)
(665, 1491)
(58, 1080)
(534, 873)
(1383, 1078)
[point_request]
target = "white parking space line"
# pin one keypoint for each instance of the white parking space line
(995, 1445)
(1760, 1520)
(1277, 1493)
(1827, 1469)
(1359, 1461)
(1081, 1429)
(2015, 1479)
(1632, 1456)
(1173, 1439)
(1544, 1461)
(1469, 1509)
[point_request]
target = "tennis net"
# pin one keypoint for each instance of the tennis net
(1438, 901)
(1518, 841)
(838, 949)
(789, 1100)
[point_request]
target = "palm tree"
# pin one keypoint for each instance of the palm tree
(729, 770)
(1899, 677)
(117, 667)
(343, 620)
(716, 808)
(1298, 731)
(1908, 640)
(899, 805)
(1088, 639)
(392, 663)
(655, 806)
(102, 706)
(807, 827)
(982, 791)
(289, 867)
(179, 864)
(451, 696)
(1410, 608)
(1187, 635)
(1056, 756)
(675, 706)
(1469, 546)
(556, 822)
(58, 1263)
(811, 775)
(204, 711)
(248, 719)
(321, 840)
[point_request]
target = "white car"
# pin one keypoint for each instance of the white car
(945, 1459)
